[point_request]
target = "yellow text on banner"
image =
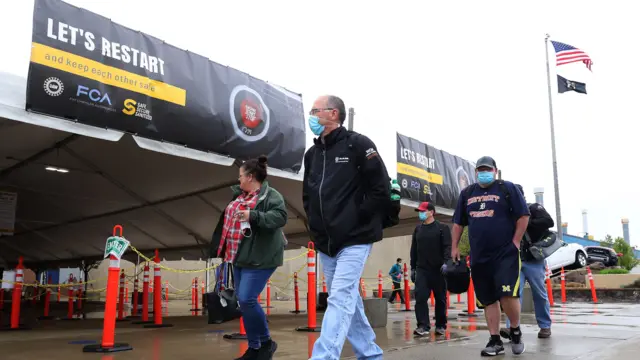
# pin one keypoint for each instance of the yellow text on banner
(419, 173)
(109, 75)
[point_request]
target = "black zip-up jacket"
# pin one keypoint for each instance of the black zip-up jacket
(430, 246)
(345, 191)
(539, 224)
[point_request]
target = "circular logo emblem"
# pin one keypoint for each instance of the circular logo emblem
(53, 86)
(404, 183)
(249, 114)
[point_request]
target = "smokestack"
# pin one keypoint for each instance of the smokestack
(625, 230)
(585, 226)
(539, 192)
(565, 226)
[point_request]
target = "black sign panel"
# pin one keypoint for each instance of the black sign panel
(86, 68)
(428, 174)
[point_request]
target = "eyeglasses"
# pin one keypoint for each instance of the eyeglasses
(315, 111)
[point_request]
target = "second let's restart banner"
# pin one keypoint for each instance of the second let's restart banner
(428, 174)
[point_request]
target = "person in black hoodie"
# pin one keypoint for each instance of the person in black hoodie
(430, 250)
(345, 194)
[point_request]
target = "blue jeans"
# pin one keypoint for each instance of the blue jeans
(533, 272)
(345, 318)
(249, 283)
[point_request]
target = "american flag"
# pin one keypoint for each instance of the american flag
(566, 54)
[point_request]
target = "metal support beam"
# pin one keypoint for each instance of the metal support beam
(132, 208)
(6, 171)
(212, 205)
(48, 239)
(298, 213)
(136, 196)
(129, 223)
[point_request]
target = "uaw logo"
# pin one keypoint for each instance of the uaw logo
(53, 86)
(249, 113)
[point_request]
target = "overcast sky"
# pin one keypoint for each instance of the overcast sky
(467, 77)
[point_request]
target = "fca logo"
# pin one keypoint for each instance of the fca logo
(94, 94)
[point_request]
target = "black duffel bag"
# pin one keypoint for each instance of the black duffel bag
(545, 246)
(222, 303)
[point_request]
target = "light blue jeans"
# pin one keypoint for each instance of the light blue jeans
(345, 318)
(533, 272)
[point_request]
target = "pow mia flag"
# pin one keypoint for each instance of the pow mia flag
(565, 85)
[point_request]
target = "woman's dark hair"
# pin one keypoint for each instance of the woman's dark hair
(256, 168)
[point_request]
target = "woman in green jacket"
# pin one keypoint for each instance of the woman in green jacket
(249, 235)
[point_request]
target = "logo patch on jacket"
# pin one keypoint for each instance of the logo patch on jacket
(371, 153)
(342, 160)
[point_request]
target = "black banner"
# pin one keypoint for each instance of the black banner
(86, 68)
(428, 174)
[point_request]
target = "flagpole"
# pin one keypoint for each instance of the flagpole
(553, 144)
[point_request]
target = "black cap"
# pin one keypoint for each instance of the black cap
(486, 161)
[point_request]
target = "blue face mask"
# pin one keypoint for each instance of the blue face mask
(423, 215)
(485, 177)
(315, 126)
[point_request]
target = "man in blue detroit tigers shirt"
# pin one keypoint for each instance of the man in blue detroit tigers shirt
(497, 216)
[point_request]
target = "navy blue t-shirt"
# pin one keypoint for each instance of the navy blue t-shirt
(491, 225)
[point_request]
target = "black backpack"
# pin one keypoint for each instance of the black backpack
(391, 215)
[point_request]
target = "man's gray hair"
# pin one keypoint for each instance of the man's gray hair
(335, 102)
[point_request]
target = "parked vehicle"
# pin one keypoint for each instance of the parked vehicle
(569, 255)
(605, 255)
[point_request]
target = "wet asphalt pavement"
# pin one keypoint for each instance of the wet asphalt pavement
(580, 331)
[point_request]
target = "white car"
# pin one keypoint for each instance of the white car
(568, 255)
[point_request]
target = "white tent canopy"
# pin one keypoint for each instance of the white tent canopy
(171, 203)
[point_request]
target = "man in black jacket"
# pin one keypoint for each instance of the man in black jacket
(345, 192)
(430, 250)
(533, 270)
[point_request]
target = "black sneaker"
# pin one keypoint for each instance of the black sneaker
(420, 331)
(267, 350)
(493, 348)
(517, 346)
(250, 354)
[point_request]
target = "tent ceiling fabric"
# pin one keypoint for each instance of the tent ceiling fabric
(162, 201)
